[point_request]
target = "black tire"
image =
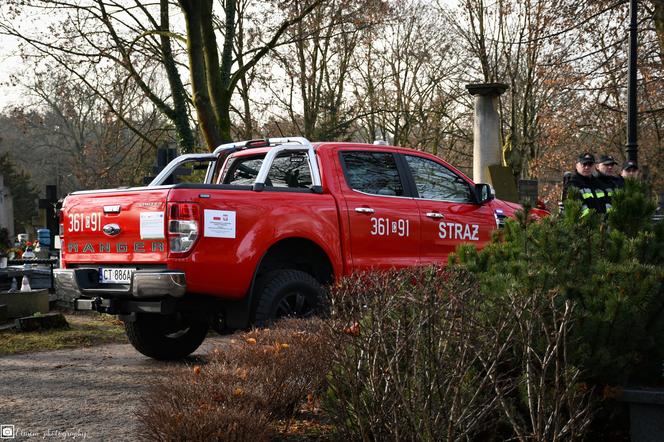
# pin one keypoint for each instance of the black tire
(287, 293)
(165, 337)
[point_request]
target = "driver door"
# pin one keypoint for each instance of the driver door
(449, 213)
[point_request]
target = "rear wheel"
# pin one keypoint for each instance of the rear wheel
(287, 293)
(165, 336)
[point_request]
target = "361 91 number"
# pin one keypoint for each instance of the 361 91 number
(80, 222)
(390, 227)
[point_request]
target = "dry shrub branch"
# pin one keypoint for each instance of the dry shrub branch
(262, 376)
(423, 355)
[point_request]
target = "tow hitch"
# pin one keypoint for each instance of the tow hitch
(97, 304)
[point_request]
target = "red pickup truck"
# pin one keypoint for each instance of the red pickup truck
(259, 230)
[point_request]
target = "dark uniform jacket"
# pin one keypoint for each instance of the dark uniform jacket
(591, 192)
(608, 185)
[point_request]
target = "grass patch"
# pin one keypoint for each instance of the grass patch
(85, 330)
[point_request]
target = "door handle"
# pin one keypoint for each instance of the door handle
(435, 215)
(364, 210)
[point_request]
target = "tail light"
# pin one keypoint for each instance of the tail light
(183, 226)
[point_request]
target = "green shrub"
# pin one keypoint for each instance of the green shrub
(610, 270)
(613, 270)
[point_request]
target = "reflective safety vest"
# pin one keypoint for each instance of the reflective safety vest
(608, 187)
(592, 193)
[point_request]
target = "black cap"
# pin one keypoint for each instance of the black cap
(630, 165)
(607, 159)
(586, 158)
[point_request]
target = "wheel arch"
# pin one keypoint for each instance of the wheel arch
(297, 253)
(294, 253)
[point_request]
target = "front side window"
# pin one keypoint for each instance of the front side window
(436, 182)
(375, 173)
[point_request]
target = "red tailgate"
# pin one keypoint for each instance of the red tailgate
(121, 226)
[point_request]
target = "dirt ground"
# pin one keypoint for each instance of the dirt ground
(80, 394)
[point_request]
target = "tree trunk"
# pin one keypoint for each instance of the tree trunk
(198, 71)
(180, 119)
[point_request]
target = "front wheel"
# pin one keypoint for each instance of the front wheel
(165, 337)
(287, 293)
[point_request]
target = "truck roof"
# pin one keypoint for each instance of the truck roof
(328, 145)
(332, 145)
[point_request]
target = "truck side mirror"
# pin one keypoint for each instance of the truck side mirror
(483, 192)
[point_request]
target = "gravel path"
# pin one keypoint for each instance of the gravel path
(86, 393)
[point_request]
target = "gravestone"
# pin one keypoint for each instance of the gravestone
(164, 156)
(25, 303)
(502, 180)
(528, 191)
(48, 204)
(41, 322)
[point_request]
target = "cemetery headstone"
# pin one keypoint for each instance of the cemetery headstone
(528, 191)
(503, 183)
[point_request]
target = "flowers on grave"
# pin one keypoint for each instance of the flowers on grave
(29, 251)
(14, 253)
(22, 250)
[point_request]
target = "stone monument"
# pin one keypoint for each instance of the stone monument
(487, 161)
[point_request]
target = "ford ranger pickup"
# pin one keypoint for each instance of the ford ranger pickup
(255, 230)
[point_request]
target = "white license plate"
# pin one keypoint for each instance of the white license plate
(115, 276)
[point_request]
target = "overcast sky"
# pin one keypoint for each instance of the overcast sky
(8, 65)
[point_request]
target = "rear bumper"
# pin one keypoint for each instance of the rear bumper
(144, 284)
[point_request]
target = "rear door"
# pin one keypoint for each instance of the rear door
(383, 217)
(448, 212)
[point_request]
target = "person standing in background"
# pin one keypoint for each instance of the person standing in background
(630, 170)
(608, 179)
(587, 184)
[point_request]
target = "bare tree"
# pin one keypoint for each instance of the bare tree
(87, 35)
(76, 141)
(213, 79)
(405, 80)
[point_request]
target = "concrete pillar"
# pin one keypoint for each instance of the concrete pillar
(486, 130)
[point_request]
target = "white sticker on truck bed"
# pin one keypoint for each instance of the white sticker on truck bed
(219, 224)
(152, 225)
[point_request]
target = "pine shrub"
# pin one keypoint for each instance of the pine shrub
(609, 269)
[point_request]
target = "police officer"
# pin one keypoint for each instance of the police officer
(630, 170)
(608, 180)
(587, 185)
(606, 170)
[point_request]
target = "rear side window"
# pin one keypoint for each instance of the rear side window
(436, 182)
(242, 171)
(290, 169)
(375, 173)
